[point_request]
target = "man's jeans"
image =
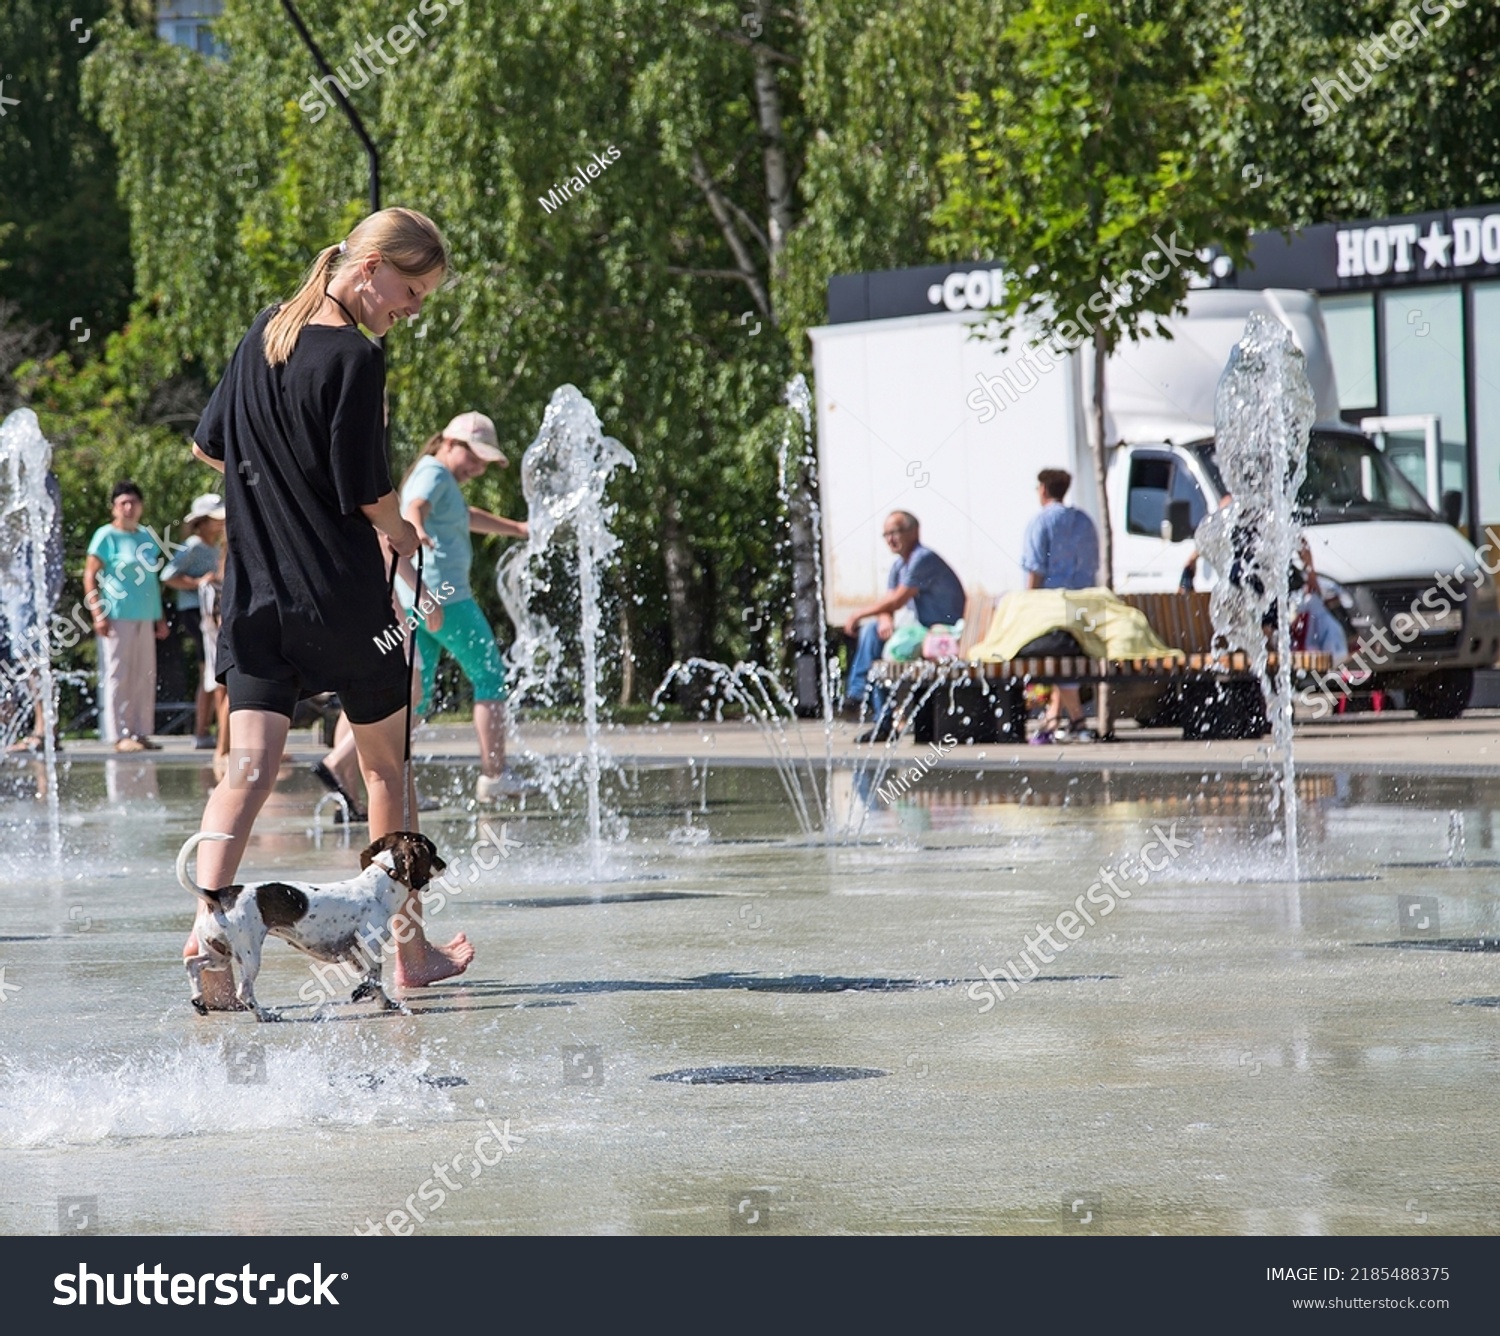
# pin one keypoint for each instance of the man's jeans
(866, 651)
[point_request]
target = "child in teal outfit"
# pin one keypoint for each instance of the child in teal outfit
(433, 503)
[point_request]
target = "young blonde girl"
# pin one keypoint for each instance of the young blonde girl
(296, 428)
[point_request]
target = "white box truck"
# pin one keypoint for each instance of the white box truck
(916, 413)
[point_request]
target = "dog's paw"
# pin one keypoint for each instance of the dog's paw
(199, 1005)
(261, 1014)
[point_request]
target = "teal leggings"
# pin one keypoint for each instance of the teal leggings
(467, 637)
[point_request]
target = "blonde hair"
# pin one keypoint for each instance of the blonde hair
(434, 443)
(409, 241)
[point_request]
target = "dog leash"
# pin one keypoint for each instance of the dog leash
(411, 668)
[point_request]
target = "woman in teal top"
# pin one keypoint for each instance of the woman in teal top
(433, 503)
(122, 586)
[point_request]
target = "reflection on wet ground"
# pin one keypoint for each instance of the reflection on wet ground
(1216, 1048)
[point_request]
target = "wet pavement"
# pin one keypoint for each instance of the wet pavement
(740, 1030)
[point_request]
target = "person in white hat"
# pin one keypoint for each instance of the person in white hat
(432, 501)
(194, 565)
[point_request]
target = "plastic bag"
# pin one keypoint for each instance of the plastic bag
(905, 643)
(941, 642)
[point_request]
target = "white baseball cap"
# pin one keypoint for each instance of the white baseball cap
(209, 506)
(478, 433)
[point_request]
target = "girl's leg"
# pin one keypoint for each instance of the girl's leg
(342, 762)
(467, 636)
(380, 745)
(203, 705)
(221, 713)
(429, 651)
(256, 740)
(489, 723)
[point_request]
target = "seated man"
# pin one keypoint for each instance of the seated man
(919, 577)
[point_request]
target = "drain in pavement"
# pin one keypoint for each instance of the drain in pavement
(737, 1075)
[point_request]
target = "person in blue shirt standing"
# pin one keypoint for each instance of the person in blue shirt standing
(193, 565)
(918, 577)
(1060, 551)
(121, 584)
(433, 502)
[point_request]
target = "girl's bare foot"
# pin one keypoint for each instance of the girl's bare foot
(420, 962)
(218, 985)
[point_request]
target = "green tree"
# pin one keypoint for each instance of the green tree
(1422, 133)
(1115, 139)
(64, 247)
(621, 290)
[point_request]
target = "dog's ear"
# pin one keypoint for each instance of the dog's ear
(379, 847)
(422, 859)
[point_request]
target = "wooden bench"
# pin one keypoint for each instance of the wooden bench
(1210, 692)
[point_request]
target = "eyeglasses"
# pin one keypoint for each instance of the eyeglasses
(893, 533)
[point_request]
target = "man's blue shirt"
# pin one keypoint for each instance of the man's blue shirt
(1062, 546)
(940, 593)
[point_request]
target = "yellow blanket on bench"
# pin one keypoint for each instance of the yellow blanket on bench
(1105, 627)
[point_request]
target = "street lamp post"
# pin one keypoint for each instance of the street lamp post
(336, 89)
(371, 152)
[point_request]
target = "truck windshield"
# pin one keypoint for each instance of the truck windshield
(1347, 479)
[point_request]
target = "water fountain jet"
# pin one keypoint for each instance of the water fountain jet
(1263, 414)
(27, 515)
(564, 473)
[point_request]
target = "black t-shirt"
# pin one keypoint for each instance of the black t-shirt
(305, 595)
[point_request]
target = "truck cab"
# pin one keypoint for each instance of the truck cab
(1378, 545)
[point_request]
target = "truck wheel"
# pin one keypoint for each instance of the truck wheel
(1444, 695)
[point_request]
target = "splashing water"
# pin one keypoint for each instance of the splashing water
(805, 519)
(767, 706)
(758, 691)
(1263, 414)
(1457, 855)
(26, 519)
(564, 473)
(189, 1089)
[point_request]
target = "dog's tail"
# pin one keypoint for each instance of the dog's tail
(209, 898)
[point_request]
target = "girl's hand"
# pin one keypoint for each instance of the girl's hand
(405, 540)
(434, 619)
